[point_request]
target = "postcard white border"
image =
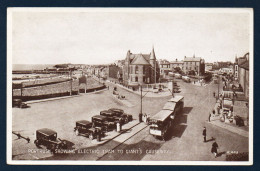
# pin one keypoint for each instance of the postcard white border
(10, 10)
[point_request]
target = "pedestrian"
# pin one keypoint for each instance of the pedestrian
(214, 149)
(209, 116)
(214, 94)
(140, 117)
(204, 133)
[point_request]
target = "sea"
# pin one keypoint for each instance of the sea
(19, 67)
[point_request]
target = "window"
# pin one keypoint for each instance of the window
(136, 79)
(144, 79)
(136, 69)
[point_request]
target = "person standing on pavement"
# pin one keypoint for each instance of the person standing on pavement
(209, 116)
(214, 149)
(204, 133)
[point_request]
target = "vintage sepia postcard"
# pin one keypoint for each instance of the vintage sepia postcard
(130, 86)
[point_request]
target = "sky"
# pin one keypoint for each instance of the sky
(89, 36)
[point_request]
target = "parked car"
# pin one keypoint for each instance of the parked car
(19, 103)
(103, 122)
(121, 114)
(85, 128)
(179, 76)
(186, 79)
(110, 115)
(48, 138)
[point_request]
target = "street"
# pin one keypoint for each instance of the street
(185, 140)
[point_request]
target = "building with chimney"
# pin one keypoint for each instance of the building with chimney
(140, 69)
(194, 64)
(176, 64)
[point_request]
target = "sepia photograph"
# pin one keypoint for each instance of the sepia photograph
(130, 86)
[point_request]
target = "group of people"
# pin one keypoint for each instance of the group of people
(214, 147)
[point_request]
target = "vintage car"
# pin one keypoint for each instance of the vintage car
(103, 122)
(19, 103)
(85, 128)
(48, 138)
(121, 114)
(110, 116)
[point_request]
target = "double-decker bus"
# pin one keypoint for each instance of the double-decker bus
(161, 122)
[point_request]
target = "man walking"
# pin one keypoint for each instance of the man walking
(204, 133)
(214, 149)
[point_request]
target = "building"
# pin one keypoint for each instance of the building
(115, 73)
(194, 65)
(165, 68)
(176, 64)
(238, 61)
(208, 67)
(140, 69)
(243, 73)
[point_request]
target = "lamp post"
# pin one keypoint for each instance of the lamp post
(141, 98)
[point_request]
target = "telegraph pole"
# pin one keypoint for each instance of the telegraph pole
(70, 83)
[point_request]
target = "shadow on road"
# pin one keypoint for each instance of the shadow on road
(221, 153)
(212, 139)
(187, 110)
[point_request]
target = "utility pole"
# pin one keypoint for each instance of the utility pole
(70, 83)
(155, 72)
(141, 100)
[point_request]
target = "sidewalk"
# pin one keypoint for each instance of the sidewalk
(124, 136)
(230, 127)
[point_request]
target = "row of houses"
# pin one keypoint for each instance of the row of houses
(139, 68)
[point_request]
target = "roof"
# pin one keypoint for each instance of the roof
(176, 99)
(176, 62)
(162, 115)
(169, 106)
(116, 109)
(47, 131)
(245, 65)
(192, 59)
(99, 116)
(139, 60)
(84, 122)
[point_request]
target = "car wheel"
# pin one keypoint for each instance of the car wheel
(91, 137)
(36, 142)
(77, 132)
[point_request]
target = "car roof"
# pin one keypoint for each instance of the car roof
(106, 111)
(116, 109)
(46, 131)
(83, 122)
(99, 117)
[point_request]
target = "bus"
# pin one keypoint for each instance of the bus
(161, 122)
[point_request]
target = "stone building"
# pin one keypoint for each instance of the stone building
(140, 69)
(165, 68)
(175, 64)
(194, 64)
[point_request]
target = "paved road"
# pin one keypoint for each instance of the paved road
(185, 139)
(61, 115)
